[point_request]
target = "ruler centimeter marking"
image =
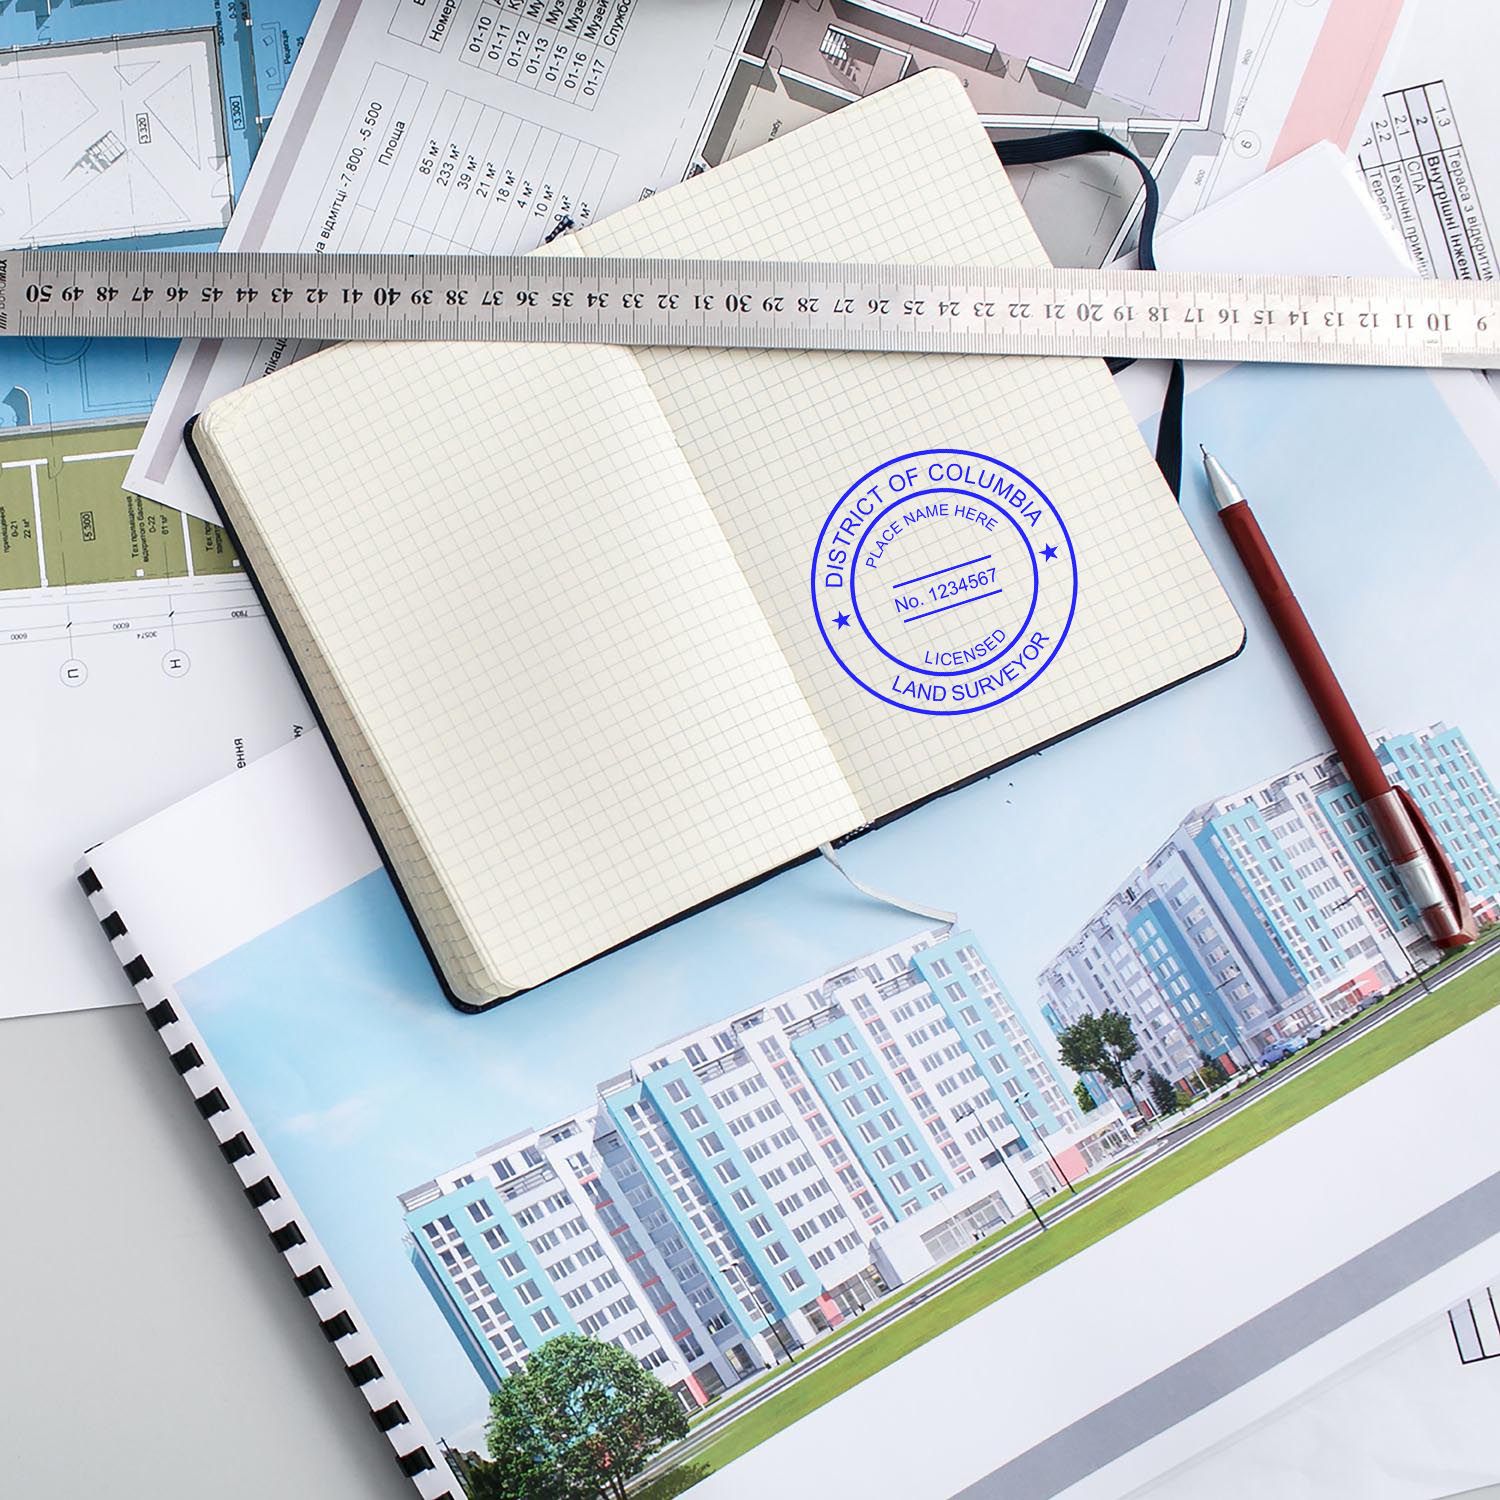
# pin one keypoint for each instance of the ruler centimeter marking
(752, 305)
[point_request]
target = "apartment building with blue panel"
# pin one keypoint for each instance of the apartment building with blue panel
(723, 1199)
(543, 1233)
(1173, 963)
(1272, 909)
(442, 1293)
(1255, 840)
(1438, 767)
(1103, 969)
(876, 1122)
(1243, 926)
(1276, 976)
(498, 1285)
(997, 1037)
(1221, 973)
(706, 1183)
(674, 1276)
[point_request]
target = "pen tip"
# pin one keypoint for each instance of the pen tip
(1224, 490)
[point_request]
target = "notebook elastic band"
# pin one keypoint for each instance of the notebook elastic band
(1059, 145)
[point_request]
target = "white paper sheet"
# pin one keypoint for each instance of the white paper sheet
(1413, 1421)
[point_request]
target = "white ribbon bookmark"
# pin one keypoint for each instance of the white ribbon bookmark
(932, 913)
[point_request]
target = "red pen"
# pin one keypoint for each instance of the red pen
(1425, 871)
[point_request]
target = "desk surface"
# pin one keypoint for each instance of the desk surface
(153, 1342)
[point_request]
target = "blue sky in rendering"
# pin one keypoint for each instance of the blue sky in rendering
(364, 1083)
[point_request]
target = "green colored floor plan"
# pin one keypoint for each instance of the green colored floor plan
(65, 520)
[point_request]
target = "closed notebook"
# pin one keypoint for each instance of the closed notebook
(601, 635)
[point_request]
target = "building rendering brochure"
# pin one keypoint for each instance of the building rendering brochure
(753, 1171)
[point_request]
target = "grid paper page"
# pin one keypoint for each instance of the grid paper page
(547, 673)
(775, 438)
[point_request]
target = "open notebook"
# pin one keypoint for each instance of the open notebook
(600, 636)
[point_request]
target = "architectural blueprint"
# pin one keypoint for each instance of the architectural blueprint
(79, 177)
(126, 123)
(131, 647)
(1208, 92)
(1412, 1421)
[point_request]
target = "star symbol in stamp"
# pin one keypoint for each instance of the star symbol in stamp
(1049, 552)
(841, 620)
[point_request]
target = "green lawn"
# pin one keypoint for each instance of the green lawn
(1044, 1207)
(1425, 1021)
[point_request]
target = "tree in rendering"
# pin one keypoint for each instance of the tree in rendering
(579, 1421)
(1212, 1071)
(1163, 1095)
(1086, 1101)
(1101, 1044)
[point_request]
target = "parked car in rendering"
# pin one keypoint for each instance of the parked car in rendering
(1275, 1053)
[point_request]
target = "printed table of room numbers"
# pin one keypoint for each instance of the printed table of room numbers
(561, 48)
(460, 176)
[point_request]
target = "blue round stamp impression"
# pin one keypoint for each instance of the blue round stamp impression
(944, 581)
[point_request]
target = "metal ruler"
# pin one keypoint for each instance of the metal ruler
(752, 305)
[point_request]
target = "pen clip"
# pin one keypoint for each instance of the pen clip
(1457, 898)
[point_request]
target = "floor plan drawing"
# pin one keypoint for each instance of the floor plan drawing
(135, 121)
(1203, 90)
(64, 522)
(113, 139)
(125, 124)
